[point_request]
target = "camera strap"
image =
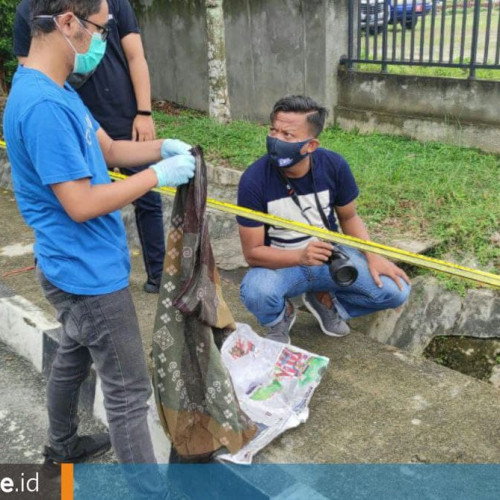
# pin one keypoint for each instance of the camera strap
(292, 193)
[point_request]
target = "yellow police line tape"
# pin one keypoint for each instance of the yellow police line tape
(476, 275)
(324, 234)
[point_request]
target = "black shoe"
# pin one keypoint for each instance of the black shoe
(152, 286)
(86, 447)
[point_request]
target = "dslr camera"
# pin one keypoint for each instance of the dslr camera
(341, 268)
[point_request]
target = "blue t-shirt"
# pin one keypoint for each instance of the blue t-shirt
(261, 188)
(51, 138)
(108, 93)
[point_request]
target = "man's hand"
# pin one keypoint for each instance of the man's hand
(315, 254)
(172, 147)
(174, 171)
(143, 128)
(380, 266)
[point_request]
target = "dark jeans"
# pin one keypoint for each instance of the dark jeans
(102, 329)
(149, 220)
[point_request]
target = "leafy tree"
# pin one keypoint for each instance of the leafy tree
(8, 61)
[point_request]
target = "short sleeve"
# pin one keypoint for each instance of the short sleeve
(58, 152)
(95, 124)
(250, 196)
(22, 30)
(125, 18)
(347, 189)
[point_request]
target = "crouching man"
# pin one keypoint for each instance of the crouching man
(298, 180)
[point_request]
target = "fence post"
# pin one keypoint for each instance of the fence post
(475, 35)
(350, 35)
(384, 38)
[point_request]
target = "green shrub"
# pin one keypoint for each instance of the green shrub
(8, 61)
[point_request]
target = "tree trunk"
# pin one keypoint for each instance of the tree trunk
(218, 92)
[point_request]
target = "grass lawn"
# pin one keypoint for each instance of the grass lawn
(407, 187)
(481, 74)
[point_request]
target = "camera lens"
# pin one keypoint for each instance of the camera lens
(346, 275)
(341, 268)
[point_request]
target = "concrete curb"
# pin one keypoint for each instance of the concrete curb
(34, 335)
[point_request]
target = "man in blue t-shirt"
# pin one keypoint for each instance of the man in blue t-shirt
(118, 94)
(298, 180)
(59, 156)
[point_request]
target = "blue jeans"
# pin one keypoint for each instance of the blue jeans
(263, 291)
(149, 220)
(102, 329)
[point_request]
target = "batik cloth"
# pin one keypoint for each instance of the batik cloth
(194, 393)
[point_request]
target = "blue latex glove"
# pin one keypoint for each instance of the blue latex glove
(172, 147)
(174, 171)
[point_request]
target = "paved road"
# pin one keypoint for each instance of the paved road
(23, 417)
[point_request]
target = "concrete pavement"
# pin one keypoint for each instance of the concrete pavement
(23, 416)
(376, 404)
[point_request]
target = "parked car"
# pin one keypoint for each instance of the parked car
(398, 13)
(372, 13)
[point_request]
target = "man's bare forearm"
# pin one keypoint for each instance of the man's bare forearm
(128, 154)
(356, 227)
(83, 201)
(139, 74)
(273, 258)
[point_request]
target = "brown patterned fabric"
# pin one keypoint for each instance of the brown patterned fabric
(193, 389)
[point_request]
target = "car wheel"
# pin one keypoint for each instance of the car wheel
(409, 23)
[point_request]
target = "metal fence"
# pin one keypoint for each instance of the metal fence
(447, 33)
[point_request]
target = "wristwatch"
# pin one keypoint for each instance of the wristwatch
(143, 113)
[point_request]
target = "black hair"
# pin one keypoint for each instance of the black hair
(316, 114)
(81, 8)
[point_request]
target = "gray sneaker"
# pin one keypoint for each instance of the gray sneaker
(280, 331)
(329, 320)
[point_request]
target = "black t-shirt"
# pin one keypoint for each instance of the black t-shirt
(108, 93)
(261, 188)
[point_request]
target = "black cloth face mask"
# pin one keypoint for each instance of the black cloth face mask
(285, 154)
